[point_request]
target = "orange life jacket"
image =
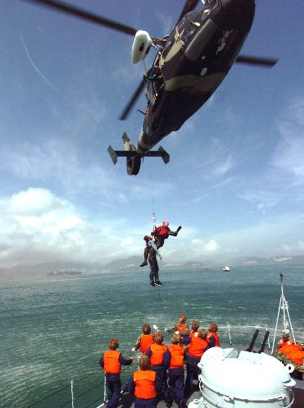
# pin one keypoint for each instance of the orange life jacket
(216, 337)
(145, 342)
(157, 356)
(283, 343)
(197, 347)
(111, 364)
(177, 355)
(181, 328)
(293, 352)
(144, 384)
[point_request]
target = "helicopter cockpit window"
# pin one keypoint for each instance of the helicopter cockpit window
(197, 17)
(189, 24)
(168, 45)
(186, 30)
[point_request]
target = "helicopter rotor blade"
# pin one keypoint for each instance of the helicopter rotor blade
(257, 61)
(189, 6)
(85, 15)
(135, 96)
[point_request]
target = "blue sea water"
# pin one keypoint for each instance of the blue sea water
(54, 329)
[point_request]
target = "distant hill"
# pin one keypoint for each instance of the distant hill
(196, 264)
(48, 267)
(253, 260)
(297, 260)
(247, 260)
(133, 262)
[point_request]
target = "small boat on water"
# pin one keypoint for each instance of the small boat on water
(226, 268)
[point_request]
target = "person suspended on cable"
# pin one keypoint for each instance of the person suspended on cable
(158, 237)
(154, 269)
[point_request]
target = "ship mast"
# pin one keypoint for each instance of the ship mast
(283, 306)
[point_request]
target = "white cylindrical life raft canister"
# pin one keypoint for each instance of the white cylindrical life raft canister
(239, 380)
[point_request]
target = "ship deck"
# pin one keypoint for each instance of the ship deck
(127, 401)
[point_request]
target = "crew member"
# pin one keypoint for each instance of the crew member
(159, 234)
(144, 385)
(160, 360)
(181, 327)
(176, 371)
(197, 346)
(111, 361)
(285, 340)
(144, 340)
(213, 338)
(194, 328)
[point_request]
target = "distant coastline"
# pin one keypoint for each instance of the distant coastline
(67, 268)
(63, 272)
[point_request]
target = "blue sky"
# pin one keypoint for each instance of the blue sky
(235, 181)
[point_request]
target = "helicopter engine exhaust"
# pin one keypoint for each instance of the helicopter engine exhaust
(133, 157)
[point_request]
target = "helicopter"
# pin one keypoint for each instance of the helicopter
(190, 64)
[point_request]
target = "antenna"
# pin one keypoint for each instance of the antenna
(283, 306)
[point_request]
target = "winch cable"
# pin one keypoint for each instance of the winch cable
(153, 211)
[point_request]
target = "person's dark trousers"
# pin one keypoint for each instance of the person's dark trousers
(148, 403)
(114, 387)
(192, 369)
(161, 373)
(153, 266)
(176, 384)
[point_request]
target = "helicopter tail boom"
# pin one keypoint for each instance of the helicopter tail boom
(114, 154)
(134, 157)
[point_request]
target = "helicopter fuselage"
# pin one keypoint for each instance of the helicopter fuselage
(191, 65)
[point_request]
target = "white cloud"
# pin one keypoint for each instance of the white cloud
(38, 226)
(128, 241)
(217, 160)
(262, 199)
(53, 229)
(296, 110)
(212, 246)
(224, 166)
(36, 223)
(297, 247)
(197, 242)
(200, 247)
(31, 202)
(289, 153)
